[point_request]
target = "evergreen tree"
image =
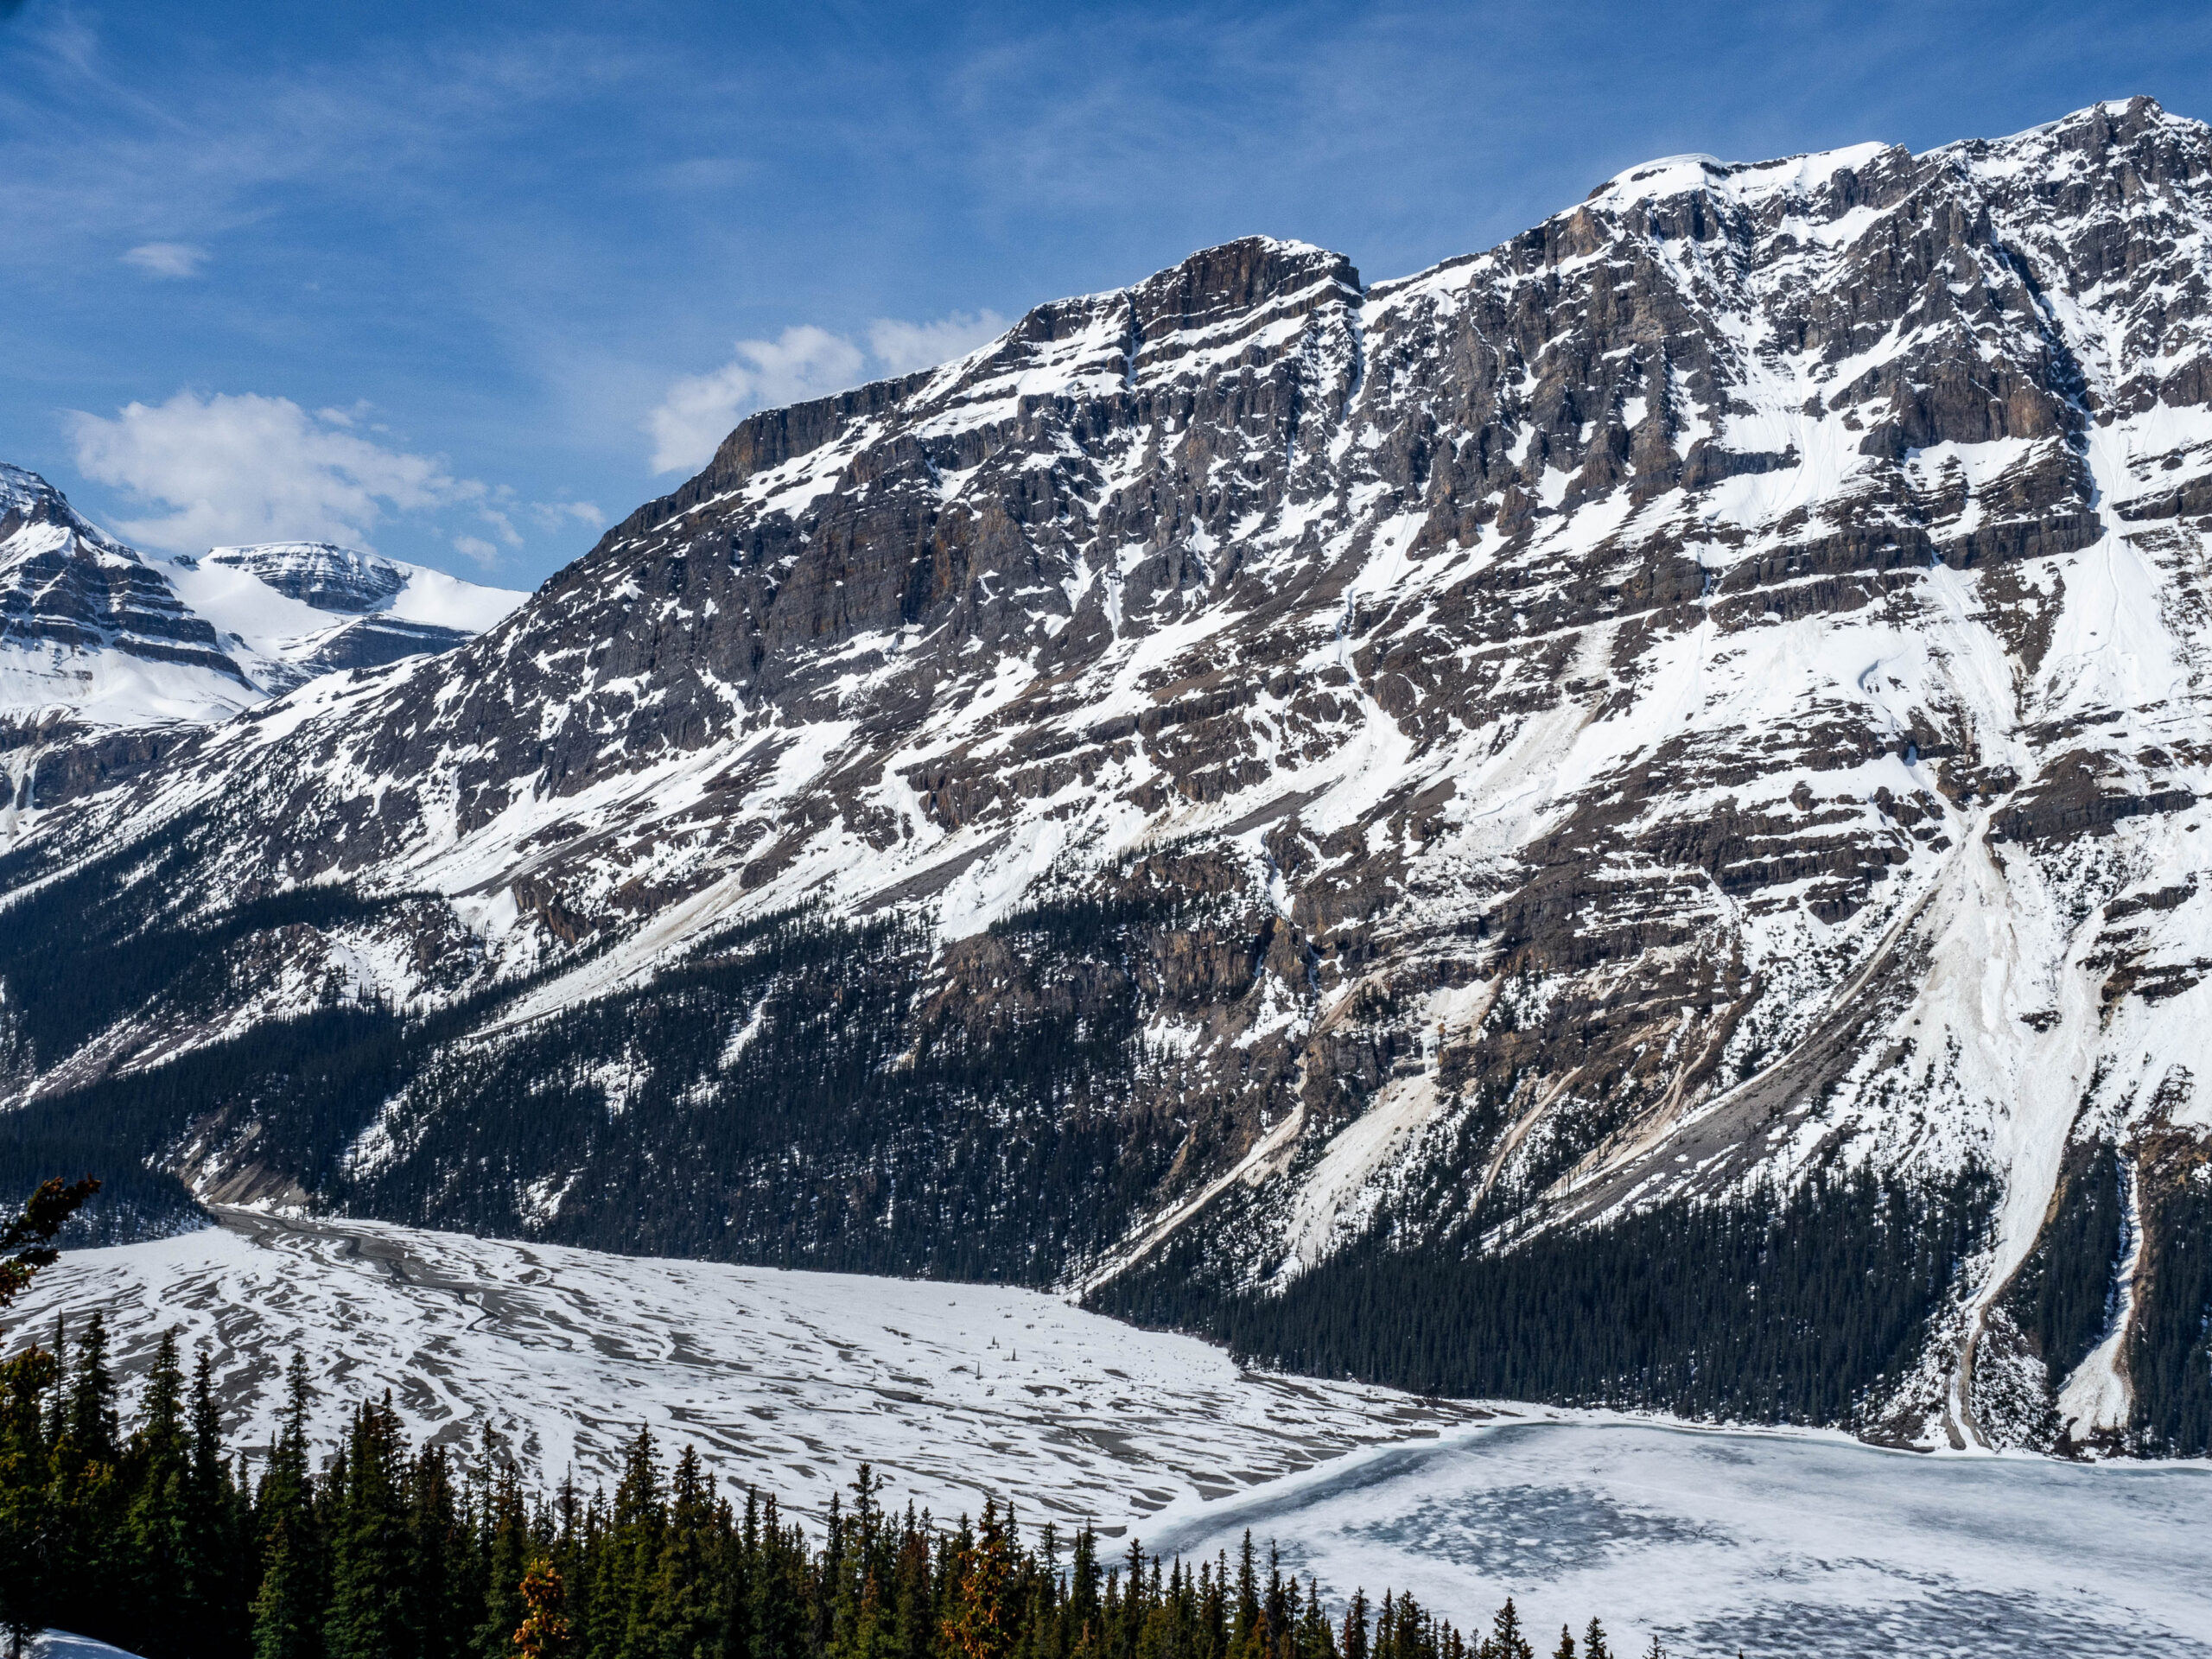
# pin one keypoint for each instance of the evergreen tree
(544, 1631)
(86, 1549)
(978, 1624)
(212, 1560)
(287, 1609)
(1354, 1645)
(1507, 1639)
(439, 1573)
(26, 1519)
(369, 1563)
(91, 1419)
(157, 1545)
(509, 1553)
(683, 1613)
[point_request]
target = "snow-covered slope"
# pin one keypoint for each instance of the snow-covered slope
(294, 610)
(1277, 772)
(93, 642)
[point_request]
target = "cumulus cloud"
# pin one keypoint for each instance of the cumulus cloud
(902, 347)
(802, 362)
(227, 469)
(699, 411)
(167, 258)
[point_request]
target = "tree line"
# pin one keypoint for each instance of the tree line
(1808, 1306)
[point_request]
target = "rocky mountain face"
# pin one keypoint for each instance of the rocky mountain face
(109, 659)
(1632, 799)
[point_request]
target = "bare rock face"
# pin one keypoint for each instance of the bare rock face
(1703, 697)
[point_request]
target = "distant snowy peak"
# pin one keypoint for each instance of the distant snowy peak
(89, 628)
(101, 648)
(295, 610)
(321, 574)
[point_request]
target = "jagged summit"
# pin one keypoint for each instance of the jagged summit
(1289, 783)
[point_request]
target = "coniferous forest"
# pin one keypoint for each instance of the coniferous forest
(1821, 1303)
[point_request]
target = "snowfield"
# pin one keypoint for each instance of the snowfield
(789, 1381)
(1777, 1544)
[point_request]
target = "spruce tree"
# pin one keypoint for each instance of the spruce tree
(509, 1551)
(26, 1518)
(369, 1564)
(544, 1632)
(438, 1573)
(92, 1414)
(1314, 1641)
(86, 1552)
(1506, 1636)
(683, 1601)
(287, 1611)
(212, 1561)
(157, 1546)
(1354, 1645)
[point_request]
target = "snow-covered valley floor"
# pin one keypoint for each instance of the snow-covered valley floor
(789, 1381)
(1774, 1543)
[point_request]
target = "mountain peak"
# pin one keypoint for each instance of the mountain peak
(321, 574)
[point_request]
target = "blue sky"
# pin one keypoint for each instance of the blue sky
(466, 284)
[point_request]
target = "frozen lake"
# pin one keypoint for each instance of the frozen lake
(1778, 1545)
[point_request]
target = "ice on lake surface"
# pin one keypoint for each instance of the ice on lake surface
(1774, 1544)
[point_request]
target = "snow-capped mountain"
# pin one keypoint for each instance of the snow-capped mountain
(292, 611)
(108, 657)
(1331, 813)
(101, 664)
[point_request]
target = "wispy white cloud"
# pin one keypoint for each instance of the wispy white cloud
(226, 469)
(557, 515)
(476, 547)
(167, 258)
(803, 362)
